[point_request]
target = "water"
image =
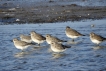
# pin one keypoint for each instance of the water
(83, 56)
(55, 2)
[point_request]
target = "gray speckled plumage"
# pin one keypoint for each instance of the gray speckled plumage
(21, 44)
(97, 39)
(25, 38)
(71, 33)
(37, 38)
(57, 47)
(50, 39)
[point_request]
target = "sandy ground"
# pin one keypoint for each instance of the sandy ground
(11, 13)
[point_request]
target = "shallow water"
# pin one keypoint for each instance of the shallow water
(55, 2)
(83, 56)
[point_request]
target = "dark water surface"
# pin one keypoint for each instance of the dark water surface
(55, 2)
(83, 56)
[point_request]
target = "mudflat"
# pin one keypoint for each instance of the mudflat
(10, 13)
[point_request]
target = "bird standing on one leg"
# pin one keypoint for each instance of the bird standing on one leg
(37, 38)
(71, 33)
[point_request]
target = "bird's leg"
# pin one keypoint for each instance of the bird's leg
(22, 50)
(72, 40)
(38, 44)
(97, 44)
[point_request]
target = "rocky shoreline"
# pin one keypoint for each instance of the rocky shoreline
(49, 14)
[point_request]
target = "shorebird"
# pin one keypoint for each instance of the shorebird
(97, 39)
(50, 39)
(37, 38)
(57, 47)
(22, 45)
(25, 38)
(71, 33)
(92, 25)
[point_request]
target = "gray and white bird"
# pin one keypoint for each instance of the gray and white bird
(50, 39)
(25, 38)
(97, 39)
(57, 47)
(71, 33)
(22, 45)
(37, 38)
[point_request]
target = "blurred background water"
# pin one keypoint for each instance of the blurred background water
(55, 2)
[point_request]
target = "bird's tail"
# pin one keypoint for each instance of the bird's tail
(67, 46)
(83, 35)
(33, 43)
(105, 39)
(64, 41)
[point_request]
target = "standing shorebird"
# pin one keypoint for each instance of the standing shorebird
(71, 33)
(97, 39)
(21, 44)
(37, 38)
(92, 25)
(50, 39)
(25, 38)
(57, 47)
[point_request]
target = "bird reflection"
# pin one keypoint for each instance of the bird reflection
(50, 50)
(74, 42)
(37, 47)
(98, 47)
(22, 54)
(57, 55)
